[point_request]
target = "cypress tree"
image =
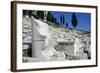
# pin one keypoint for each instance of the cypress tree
(74, 20)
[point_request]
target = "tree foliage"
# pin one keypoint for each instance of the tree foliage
(40, 14)
(66, 24)
(27, 12)
(63, 21)
(51, 18)
(30, 13)
(74, 20)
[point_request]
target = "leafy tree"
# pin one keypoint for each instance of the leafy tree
(58, 23)
(49, 16)
(34, 14)
(30, 13)
(63, 19)
(25, 12)
(66, 24)
(74, 20)
(54, 20)
(40, 14)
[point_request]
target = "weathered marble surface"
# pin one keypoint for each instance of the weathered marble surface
(55, 43)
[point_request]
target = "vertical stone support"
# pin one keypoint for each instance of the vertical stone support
(37, 41)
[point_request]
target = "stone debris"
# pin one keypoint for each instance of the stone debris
(63, 44)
